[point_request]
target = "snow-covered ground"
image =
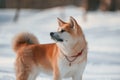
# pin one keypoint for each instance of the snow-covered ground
(102, 31)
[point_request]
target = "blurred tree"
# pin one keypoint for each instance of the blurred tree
(2, 3)
(18, 5)
(105, 5)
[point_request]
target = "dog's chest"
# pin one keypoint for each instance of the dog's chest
(68, 69)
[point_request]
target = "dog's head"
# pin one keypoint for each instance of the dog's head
(67, 33)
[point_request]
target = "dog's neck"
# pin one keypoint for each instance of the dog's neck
(71, 50)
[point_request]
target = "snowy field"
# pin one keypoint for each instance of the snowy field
(102, 31)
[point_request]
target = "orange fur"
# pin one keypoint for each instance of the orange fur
(29, 55)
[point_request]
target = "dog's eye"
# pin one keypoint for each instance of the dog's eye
(62, 31)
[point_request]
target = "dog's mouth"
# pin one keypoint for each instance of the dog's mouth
(56, 38)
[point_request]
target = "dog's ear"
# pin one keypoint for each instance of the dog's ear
(60, 22)
(73, 23)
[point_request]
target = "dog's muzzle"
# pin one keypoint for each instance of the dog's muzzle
(56, 37)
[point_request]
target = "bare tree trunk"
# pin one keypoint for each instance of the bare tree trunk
(18, 5)
(85, 9)
(105, 5)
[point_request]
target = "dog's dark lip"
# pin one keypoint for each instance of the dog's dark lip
(57, 39)
(60, 40)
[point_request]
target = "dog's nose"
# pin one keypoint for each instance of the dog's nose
(51, 33)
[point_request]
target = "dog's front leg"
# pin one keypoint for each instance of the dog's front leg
(77, 77)
(56, 73)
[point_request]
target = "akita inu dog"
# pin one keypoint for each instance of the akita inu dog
(65, 58)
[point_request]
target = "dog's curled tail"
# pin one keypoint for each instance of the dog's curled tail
(23, 38)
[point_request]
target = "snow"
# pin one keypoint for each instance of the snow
(102, 31)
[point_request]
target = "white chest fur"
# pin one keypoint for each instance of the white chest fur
(77, 67)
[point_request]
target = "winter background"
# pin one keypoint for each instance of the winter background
(102, 31)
